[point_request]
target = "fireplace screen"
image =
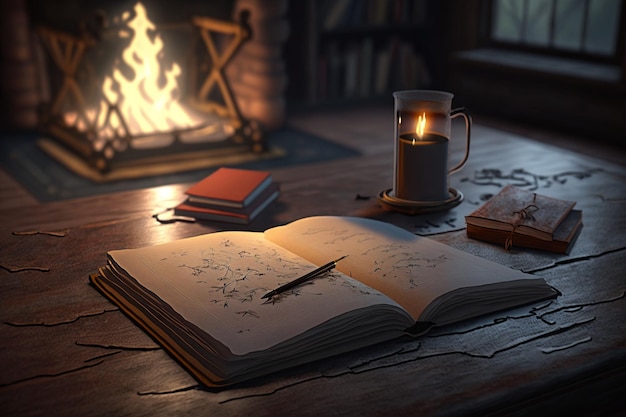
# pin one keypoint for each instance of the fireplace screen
(118, 102)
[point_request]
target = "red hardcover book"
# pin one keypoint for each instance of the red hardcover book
(229, 187)
(243, 215)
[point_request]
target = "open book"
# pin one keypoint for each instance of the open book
(200, 297)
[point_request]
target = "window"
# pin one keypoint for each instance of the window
(588, 28)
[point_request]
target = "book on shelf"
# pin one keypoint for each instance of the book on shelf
(336, 14)
(381, 70)
(350, 69)
(201, 297)
(366, 66)
(229, 187)
(341, 14)
(242, 215)
(336, 67)
(517, 217)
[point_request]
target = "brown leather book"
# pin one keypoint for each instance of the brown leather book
(516, 217)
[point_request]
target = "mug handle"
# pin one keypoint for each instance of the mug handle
(461, 111)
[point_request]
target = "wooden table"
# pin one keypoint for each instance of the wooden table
(65, 350)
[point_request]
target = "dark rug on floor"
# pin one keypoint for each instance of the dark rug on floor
(48, 180)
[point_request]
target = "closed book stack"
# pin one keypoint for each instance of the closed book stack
(230, 195)
(516, 217)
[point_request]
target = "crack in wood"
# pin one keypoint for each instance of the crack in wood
(62, 233)
(495, 322)
(402, 351)
(120, 347)
(552, 349)
(60, 323)
(13, 269)
(173, 391)
(105, 355)
(52, 375)
(89, 363)
(574, 260)
(577, 307)
(104, 223)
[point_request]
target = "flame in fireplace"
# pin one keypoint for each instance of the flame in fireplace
(145, 105)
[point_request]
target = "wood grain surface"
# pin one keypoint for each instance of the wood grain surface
(66, 351)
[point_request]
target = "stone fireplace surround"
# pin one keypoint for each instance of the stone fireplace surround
(257, 74)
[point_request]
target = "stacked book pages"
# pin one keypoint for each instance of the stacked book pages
(205, 298)
(516, 217)
(230, 195)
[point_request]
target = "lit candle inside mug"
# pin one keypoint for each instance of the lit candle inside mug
(422, 171)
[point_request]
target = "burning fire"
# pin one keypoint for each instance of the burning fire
(146, 104)
(419, 127)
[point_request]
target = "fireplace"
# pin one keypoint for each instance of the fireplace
(123, 96)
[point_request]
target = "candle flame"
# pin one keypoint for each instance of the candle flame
(421, 124)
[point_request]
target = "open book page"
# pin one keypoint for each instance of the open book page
(412, 270)
(216, 281)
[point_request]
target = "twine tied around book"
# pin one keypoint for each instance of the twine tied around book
(525, 213)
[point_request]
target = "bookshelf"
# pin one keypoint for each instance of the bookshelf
(345, 51)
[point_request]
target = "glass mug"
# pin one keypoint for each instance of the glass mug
(422, 133)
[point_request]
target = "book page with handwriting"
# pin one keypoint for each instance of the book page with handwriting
(216, 281)
(411, 269)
